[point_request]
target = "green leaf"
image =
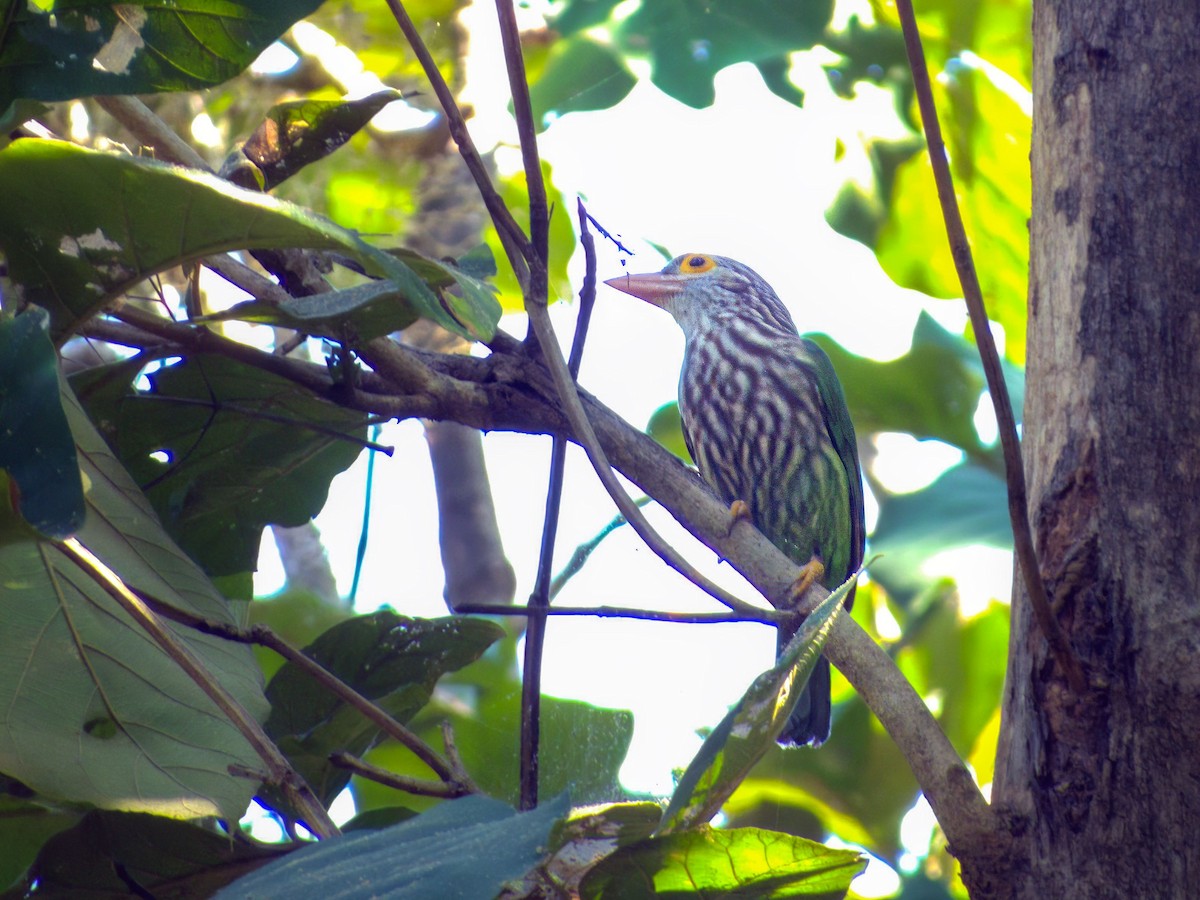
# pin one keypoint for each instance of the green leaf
(989, 153)
(752, 724)
(931, 392)
(562, 240)
(36, 447)
(348, 316)
(297, 133)
(961, 663)
(95, 712)
(107, 851)
(965, 505)
(78, 49)
(392, 660)
(582, 746)
(243, 449)
(25, 825)
(570, 16)
(689, 41)
(666, 427)
(740, 862)
(96, 224)
(578, 76)
(462, 848)
(998, 30)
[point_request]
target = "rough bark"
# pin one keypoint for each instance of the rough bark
(1105, 788)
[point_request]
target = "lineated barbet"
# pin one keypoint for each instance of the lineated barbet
(765, 420)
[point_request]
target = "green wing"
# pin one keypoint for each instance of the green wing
(841, 429)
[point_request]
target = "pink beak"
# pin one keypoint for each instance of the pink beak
(653, 287)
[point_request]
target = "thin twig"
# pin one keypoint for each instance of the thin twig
(352, 763)
(240, 275)
(539, 210)
(763, 617)
(539, 598)
(152, 131)
(584, 551)
(236, 409)
(265, 637)
(1018, 507)
(279, 770)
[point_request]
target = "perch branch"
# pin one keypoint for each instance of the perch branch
(960, 248)
(508, 391)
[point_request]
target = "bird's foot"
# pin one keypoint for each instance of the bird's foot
(738, 512)
(810, 573)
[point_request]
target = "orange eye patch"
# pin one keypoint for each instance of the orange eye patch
(695, 263)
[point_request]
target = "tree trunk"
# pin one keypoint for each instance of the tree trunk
(1105, 788)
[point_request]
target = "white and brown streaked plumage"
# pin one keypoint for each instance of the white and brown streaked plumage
(766, 422)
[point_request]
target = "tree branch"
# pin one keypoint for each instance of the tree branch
(509, 391)
(960, 248)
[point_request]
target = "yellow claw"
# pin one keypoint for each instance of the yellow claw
(811, 573)
(738, 511)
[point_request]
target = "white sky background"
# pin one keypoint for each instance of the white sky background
(750, 178)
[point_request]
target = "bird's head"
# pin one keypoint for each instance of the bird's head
(702, 291)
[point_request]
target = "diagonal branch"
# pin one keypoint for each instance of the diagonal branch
(539, 211)
(1018, 506)
(265, 637)
(279, 771)
(516, 244)
(585, 434)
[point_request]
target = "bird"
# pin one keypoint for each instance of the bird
(765, 420)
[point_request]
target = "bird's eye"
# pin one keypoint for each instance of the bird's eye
(695, 263)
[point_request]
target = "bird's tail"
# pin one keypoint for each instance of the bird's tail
(809, 722)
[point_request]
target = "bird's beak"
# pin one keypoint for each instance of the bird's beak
(653, 287)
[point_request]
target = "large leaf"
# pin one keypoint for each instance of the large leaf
(578, 75)
(752, 724)
(990, 163)
(740, 862)
(107, 851)
(689, 41)
(223, 449)
(966, 505)
(296, 133)
(562, 239)
(37, 450)
(64, 50)
(858, 786)
(998, 30)
(464, 848)
(94, 711)
(95, 224)
(390, 659)
(25, 826)
(931, 392)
